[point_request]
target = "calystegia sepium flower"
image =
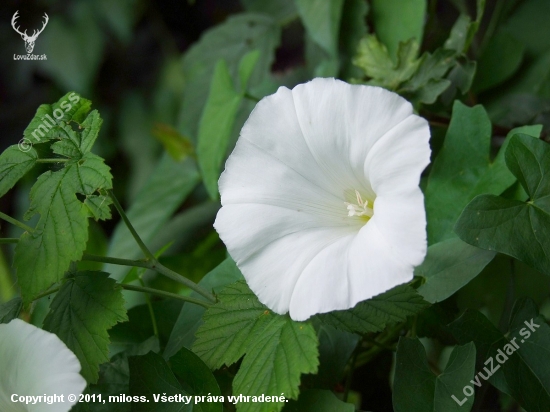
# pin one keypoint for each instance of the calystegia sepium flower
(321, 205)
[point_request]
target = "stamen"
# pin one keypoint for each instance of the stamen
(361, 208)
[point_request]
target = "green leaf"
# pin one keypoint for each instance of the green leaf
(322, 21)
(520, 357)
(150, 375)
(354, 14)
(46, 123)
(215, 126)
(282, 11)
(463, 169)
(163, 193)
(317, 400)
(190, 318)
(10, 310)
(246, 68)
(82, 312)
(428, 83)
(99, 206)
(528, 25)
(373, 315)
(276, 349)
(335, 349)
(417, 389)
(229, 41)
(398, 21)
(488, 220)
(43, 255)
(14, 164)
(464, 30)
(448, 266)
(193, 372)
(373, 58)
(499, 61)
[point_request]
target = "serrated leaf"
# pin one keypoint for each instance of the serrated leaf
(190, 318)
(47, 122)
(448, 266)
(98, 206)
(428, 83)
(84, 309)
(463, 169)
(521, 357)
(150, 375)
(43, 255)
(373, 315)
(14, 164)
(417, 389)
(373, 58)
(10, 310)
(488, 220)
(276, 349)
(215, 126)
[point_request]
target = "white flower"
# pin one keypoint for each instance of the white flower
(34, 362)
(321, 207)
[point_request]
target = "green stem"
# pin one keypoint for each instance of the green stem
(151, 311)
(380, 345)
(142, 246)
(48, 292)
(156, 266)
(16, 222)
(162, 293)
(60, 160)
(7, 240)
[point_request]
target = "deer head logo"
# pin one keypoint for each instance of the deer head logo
(29, 40)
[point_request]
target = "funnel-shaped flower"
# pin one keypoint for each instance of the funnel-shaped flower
(321, 204)
(34, 362)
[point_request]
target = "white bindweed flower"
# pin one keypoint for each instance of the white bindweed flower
(34, 362)
(321, 207)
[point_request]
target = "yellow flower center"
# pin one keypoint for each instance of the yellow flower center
(360, 208)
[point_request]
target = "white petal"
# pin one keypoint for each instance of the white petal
(402, 221)
(396, 161)
(341, 123)
(34, 362)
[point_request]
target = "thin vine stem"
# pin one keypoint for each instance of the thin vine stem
(138, 240)
(15, 222)
(151, 261)
(47, 292)
(8, 240)
(60, 160)
(152, 265)
(162, 293)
